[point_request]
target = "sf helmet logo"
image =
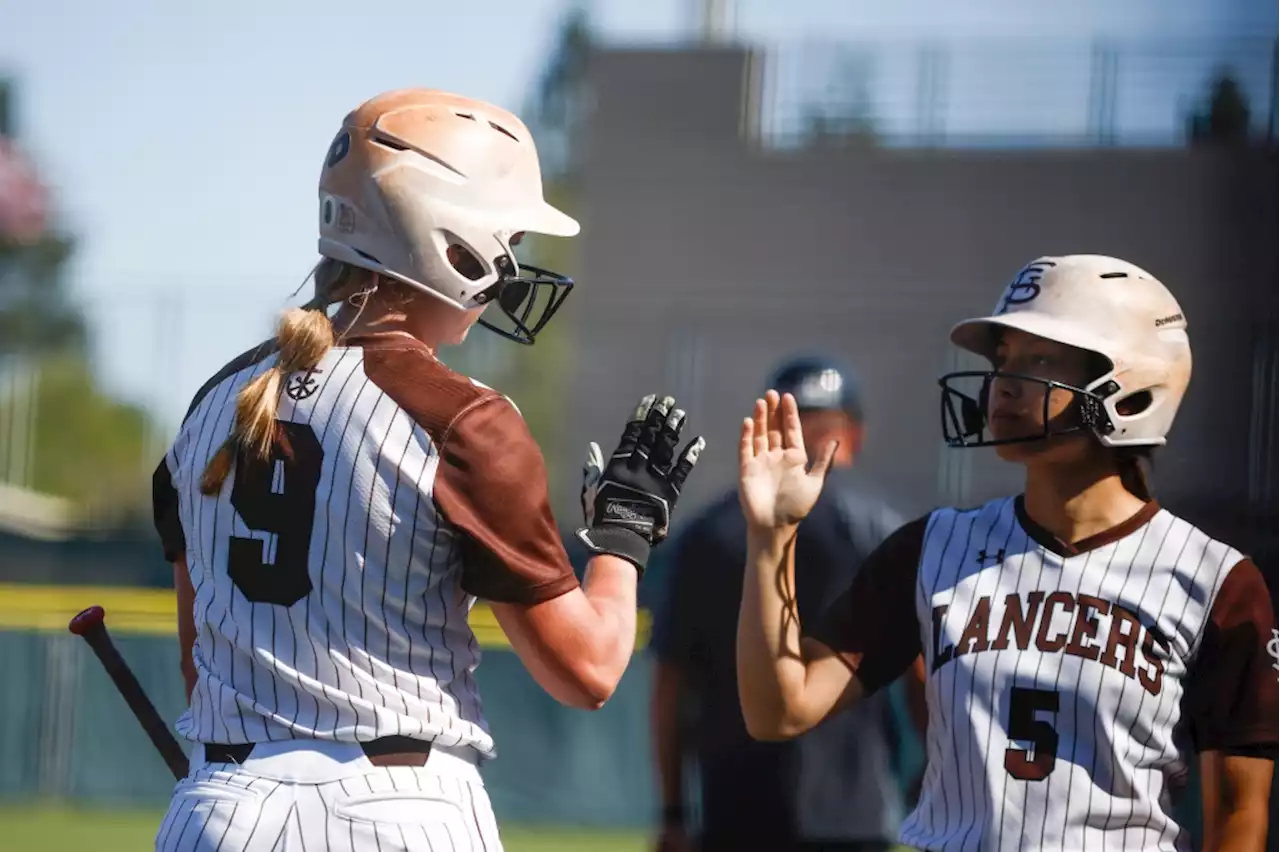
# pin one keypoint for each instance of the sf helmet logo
(1273, 648)
(1025, 286)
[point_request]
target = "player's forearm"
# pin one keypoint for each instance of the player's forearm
(602, 632)
(771, 668)
(577, 645)
(1237, 801)
(610, 587)
(1243, 829)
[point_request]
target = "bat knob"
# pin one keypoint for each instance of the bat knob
(87, 620)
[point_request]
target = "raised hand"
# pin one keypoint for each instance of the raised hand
(627, 500)
(776, 486)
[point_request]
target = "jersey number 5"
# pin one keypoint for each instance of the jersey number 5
(277, 497)
(1024, 703)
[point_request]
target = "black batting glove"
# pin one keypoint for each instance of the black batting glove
(627, 500)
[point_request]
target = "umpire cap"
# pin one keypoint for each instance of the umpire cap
(819, 383)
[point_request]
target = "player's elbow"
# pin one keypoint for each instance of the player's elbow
(594, 700)
(596, 667)
(778, 732)
(593, 686)
(580, 681)
(574, 655)
(582, 695)
(771, 714)
(773, 727)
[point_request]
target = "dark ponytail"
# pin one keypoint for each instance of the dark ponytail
(1134, 463)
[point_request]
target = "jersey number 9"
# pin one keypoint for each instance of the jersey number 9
(278, 497)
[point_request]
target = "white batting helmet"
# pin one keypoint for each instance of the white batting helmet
(1114, 309)
(415, 171)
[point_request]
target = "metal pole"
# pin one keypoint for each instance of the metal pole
(8, 411)
(21, 426)
(6, 109)
(33, 410)
(163, 331)
(714, 23)
(1275, 69)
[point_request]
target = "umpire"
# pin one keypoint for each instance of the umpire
(833, 788)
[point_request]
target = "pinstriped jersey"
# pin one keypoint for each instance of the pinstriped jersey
(333, 582)
(1068, 686)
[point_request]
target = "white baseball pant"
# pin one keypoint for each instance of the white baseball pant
(309, 796)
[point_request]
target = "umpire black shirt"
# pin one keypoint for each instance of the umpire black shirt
(834, 782)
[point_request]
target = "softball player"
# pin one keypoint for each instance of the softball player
(1082, 644)
(336, 501)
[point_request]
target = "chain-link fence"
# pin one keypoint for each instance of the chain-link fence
(1004, 93)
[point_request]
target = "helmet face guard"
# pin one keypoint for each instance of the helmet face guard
(528, 301)
(964, 415)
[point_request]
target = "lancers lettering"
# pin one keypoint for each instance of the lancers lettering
(1086, 626)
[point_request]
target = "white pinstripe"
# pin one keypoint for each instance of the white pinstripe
(392, 809)
(1119, 749)
(381, 645)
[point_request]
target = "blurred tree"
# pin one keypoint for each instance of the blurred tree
(1223, 117)
(59, 433)
(87, 445)
(34, 313)
(842, 115)
(556, 105)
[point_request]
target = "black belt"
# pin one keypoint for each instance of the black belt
(239, 752)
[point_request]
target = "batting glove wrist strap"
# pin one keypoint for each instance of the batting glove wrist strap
(617, 541)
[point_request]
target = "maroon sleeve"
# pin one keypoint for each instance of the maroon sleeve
(1232, 687)
(492, 484)
(164, 510)
(873, 624)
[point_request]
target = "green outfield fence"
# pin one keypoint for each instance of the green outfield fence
(66, 734)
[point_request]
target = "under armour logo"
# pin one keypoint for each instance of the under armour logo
(301, 386)
(1025, 286)
(1273, 648)
(998, 556)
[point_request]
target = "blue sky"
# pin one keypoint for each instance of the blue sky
(184, 140)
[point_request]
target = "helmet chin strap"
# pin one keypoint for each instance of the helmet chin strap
(309, 276)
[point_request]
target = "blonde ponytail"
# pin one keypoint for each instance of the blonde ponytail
(304, 336)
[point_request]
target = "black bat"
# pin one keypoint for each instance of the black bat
(89, 626)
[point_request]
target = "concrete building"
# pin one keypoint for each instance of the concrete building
(708, 256)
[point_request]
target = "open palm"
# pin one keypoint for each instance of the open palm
(776, 487)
